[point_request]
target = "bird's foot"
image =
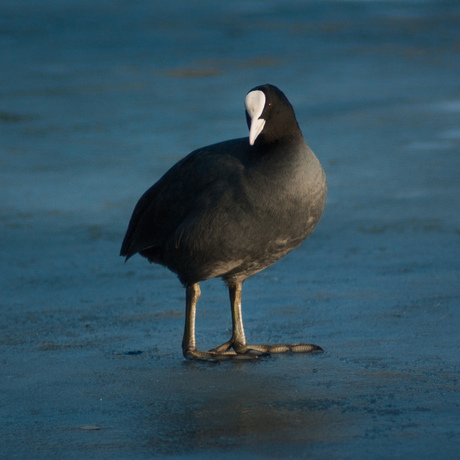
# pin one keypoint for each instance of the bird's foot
(255, 351)
(223, 354)
(230, 351)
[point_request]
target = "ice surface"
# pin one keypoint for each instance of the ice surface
(98, 99)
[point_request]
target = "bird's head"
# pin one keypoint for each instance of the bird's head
(269, 115)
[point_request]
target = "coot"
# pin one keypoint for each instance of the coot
(230, 210)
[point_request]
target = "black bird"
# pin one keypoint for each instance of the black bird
(230, 210)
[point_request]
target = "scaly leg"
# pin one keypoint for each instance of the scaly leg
(238, 340)
(236, 348)
(189, 349)
(189, 343)
(192, 294)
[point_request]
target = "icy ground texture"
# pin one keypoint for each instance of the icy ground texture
(98, 99)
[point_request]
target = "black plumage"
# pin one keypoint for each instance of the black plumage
(230, 210)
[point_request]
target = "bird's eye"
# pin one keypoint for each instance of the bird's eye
(270, 105)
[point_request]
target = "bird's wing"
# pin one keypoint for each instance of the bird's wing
(166, 204)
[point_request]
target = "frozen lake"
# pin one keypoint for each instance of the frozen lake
(98, 99)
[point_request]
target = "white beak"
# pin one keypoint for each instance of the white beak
(255, 103)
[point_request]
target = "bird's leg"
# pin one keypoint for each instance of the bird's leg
(192, 294)
(238, 340)
(236, 348)
(189, 349)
